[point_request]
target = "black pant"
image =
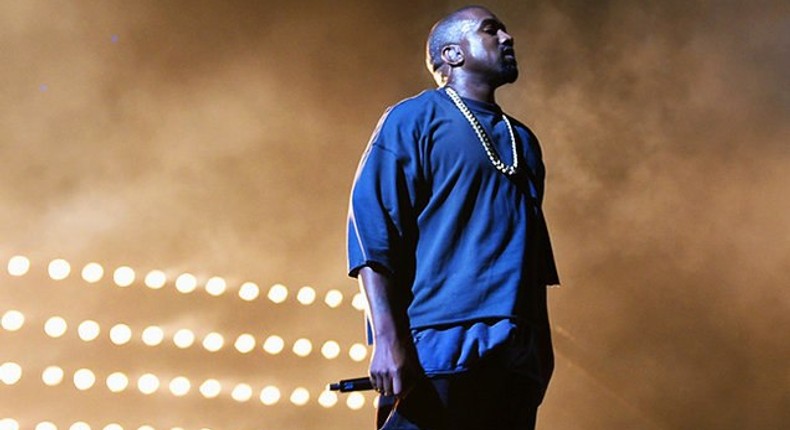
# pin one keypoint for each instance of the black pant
(500, 393)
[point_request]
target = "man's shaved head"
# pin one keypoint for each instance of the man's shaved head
(447, 31)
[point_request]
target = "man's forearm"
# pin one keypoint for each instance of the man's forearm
(394, 364)
(386, 305)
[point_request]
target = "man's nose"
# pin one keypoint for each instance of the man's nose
(505, 37)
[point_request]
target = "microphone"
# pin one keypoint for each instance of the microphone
(348, 385)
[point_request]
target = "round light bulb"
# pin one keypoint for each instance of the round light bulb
(300, 396)
(274, 345)
(155, 279)
(153, 335)
(241, 393)
(278, 293)
(306, 295)
(88, 330)
(10, 373)
(52, 375)
(270, 395)
(355, 401)
(302, 347)
(55, 327)
(210, 388)
(184, 338)
(249, 291)
(92, 273)
(12, 320)
(59, 269)
(327, 399)
(18, 265)
(123, 276)
(84, 379)
(216, 286)
(330, 350)
(186, 283)
(333, 298)
(213, 342)
(245, 343)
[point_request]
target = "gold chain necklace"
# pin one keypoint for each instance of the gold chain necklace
(484, 139)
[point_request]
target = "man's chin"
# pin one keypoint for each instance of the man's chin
(510, 75)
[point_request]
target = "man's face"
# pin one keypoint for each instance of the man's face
(488, 48)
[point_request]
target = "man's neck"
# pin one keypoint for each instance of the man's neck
(475, 90)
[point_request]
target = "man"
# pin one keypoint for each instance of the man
(448, 241)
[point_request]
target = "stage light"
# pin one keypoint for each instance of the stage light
(59, 269)
(153, 335)
(358, 302)
(9, 424)
(306, 295)
(92, 273)
(84, 379)
(18, 265)
(145, 427)
(52, 375)
(274, 344)
(216, 286)
(270, 395)
(213, 342)
(79, 425)
(300, 396)
(327, 399)
(302, 347)
(186, 283)
(10, 373)
(88, 330)
(278, 293)
(241, 393)
(184, 338)
(330, 350)
(355, 401)
(245, 343)
(120, 334)
(155, 279)
(148, 383)
(46, 425)
(180, 386)
(123, 276)
(210, 388)
(113, 426)
(333, 298)
(12, 320)
(249, 291)
(55, 327)
(358, 352)
(117, 382)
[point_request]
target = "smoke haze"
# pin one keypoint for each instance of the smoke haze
(224, 136)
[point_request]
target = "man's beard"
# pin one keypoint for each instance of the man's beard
(509, 73)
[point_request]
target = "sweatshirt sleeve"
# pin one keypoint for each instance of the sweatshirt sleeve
(381, 218)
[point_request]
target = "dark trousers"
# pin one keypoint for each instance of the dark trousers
(490, 396)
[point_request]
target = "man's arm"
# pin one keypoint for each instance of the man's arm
(394, 366)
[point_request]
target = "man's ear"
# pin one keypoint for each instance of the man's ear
(452, 55)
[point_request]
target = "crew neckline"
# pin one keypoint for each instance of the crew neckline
(475, 105)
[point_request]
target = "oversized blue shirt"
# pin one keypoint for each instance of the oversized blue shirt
(465, 241)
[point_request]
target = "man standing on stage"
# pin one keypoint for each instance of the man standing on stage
(447, 238)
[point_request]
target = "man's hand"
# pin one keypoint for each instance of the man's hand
(394, 367)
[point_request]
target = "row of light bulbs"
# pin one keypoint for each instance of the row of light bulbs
(124, 276)
(84, 379)
(121, 334)
(12, 424)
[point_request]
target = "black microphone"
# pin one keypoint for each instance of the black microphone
(356, 384)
